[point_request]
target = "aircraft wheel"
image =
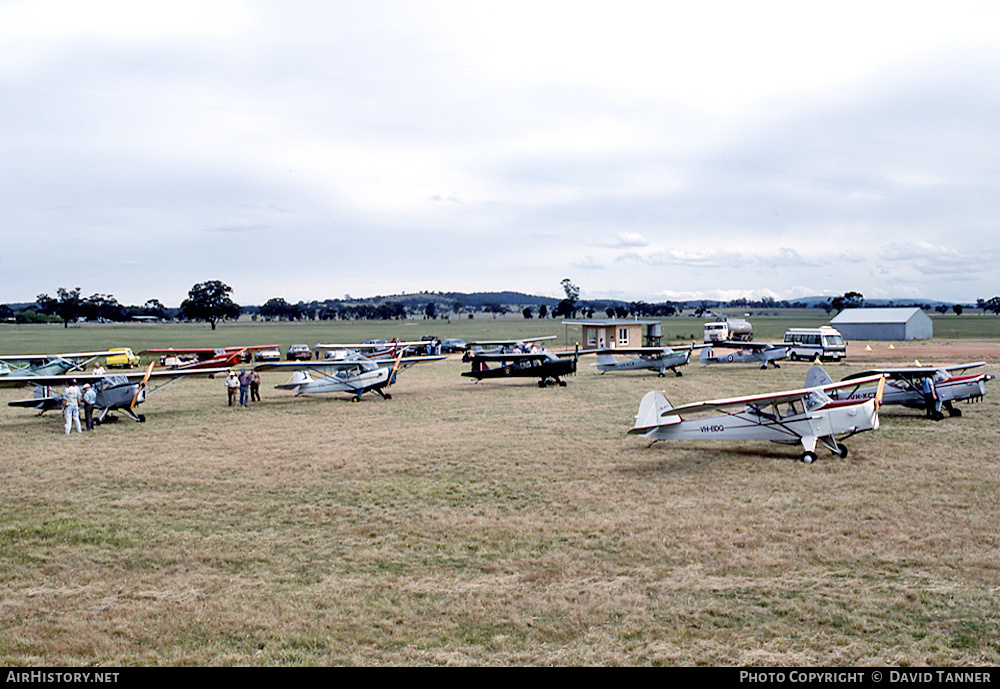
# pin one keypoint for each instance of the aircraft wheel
(387, 396)
(355, 399)
(678, 373)
(808, 457)
(954, 411)
(841, 450)
(141, 417)
(562, 383)
(541, 383)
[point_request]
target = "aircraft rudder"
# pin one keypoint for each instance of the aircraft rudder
(651, 413)
(817, 376)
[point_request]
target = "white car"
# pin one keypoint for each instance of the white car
(268, 355)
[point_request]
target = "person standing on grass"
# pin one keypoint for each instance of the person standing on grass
(89, 402)
(931, 403)
(244, 387)
(254, 386)
(71, 406)
(232, 385)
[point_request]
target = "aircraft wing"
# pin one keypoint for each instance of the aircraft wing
(250, 348)
(408, 360)
(918, 372)
(82, 378)
(755, 346)
(502, 343)
(527, 356)
(44, 357)
(388, 344)
(766, 398)
(645, 350)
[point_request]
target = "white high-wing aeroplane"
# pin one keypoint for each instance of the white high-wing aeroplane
(356, 374)
(763, 353)
(807, 416)
(904, 385)
(658, 359)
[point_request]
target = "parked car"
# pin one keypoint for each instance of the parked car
(453, 344)
(299, 351)
(125, 358)
(269, 355)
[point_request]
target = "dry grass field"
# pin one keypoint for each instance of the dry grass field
(495, 524)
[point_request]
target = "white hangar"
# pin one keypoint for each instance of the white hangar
(884, 324)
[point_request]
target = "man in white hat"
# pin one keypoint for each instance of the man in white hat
(89, 402)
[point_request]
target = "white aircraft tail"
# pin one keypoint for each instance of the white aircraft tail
(652, 411)
(605, 361)
(816, 376)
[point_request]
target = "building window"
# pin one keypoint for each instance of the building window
(623, 336)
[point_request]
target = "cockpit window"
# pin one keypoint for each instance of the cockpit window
(816, 399)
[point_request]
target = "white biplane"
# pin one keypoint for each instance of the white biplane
(807, 416)
(354, 373)
(762, 353)
(659, 359)
(904, 386)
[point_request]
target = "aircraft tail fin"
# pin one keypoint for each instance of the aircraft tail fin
(605, 361)
(706, 355)
(816, 377)
(653, 413)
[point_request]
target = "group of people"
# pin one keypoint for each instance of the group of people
(247, 383)
(72, 399)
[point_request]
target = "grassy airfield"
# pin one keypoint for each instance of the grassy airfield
(490, 523)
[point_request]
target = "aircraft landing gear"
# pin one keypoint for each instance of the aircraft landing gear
(808, 457)
(841, 450)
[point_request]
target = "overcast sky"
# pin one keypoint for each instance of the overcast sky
(645, 150)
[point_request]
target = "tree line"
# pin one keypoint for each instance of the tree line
(211, 302)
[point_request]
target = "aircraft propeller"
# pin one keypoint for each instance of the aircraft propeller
(395, 367)
(879, 392)
(142, 385)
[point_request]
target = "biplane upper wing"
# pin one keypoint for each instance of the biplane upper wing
(766, 399)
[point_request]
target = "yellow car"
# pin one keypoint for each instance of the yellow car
(125, 359)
